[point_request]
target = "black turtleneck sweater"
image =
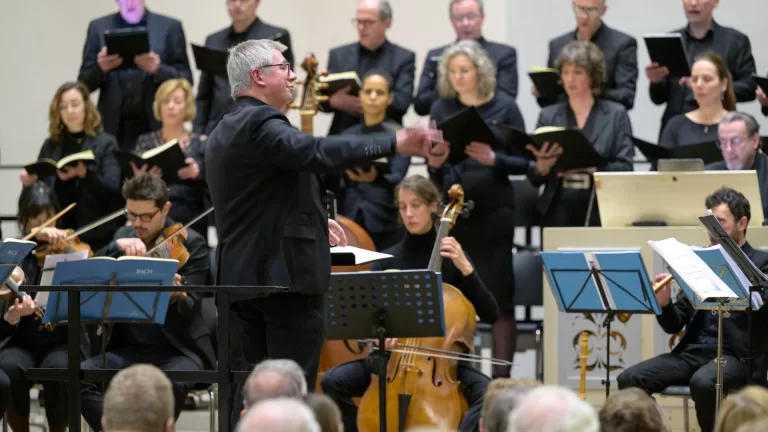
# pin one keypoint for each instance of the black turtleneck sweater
(413, 252)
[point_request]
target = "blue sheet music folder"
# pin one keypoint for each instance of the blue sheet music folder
(624, 284)
(121, 305)
(12, 252)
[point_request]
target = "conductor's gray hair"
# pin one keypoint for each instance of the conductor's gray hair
(279, 415)
(486, 71)
(753, 127)
(293, 383)
(385, 9)
(244, 58)
(553, 409)
(453, 2)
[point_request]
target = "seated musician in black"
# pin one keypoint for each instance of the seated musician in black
(692, 363)
(366, 195)
(417, 199)
(184, 342)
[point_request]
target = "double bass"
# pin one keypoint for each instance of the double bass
(333, 353)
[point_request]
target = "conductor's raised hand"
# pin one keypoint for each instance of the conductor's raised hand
(417, 140)
(107, 62)
(664, 295)
(336, 235)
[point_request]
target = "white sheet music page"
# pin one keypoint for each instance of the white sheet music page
(362, 256)
(692, 269)
(48, 268)
(757, 300)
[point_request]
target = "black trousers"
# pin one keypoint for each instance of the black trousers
(14, 362)
(280, 326)
(694, 367)
(352, 379)
(91, 398)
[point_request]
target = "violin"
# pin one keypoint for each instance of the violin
(10, 289)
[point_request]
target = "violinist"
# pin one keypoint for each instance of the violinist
(417, 199)
(184, 341)
(75, 126)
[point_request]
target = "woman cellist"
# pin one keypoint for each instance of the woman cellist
(417, 200)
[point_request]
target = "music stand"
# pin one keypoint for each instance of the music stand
(381, 305)
(600, 282)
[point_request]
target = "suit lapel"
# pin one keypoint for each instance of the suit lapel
(594, 127)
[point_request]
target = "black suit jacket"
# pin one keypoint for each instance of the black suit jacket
(399, 62)
(166, 39)
(681, 314)
(184, 325)
(213, 92)
(271, 210)
(504, 57)
(761, 167)
(620, 51)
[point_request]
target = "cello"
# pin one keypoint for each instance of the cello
(333, 353)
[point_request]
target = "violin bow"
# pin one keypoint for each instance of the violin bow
(92, 225)
(190, 223)
(45, 224)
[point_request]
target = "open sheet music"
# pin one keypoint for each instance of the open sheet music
(733, 250)
(46, 279)
(726, 269)
(350, 256)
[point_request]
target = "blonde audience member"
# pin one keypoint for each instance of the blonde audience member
(139, 399)
(326, 412)
(553, 409)
(759, 425)
(750, 403)
(632, 409)
(501, 397)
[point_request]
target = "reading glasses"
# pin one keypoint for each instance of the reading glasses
(735, 142)
(144, 217)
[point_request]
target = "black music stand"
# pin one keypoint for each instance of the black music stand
(594, 282)
(381, 305)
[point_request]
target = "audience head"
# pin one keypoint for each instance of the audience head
(373, 19)
(553, 409)
(699, 12)
(37, 204)
(418, 200)
(278, 415)
(147, 205)
(467, 17)
(732, 209)
(466, 70)
(242, 11)
(139, 398)
(501, 397)
(739, 140)
(589, 14)
(376, 94)
(757, 425)
(750, 403)
(175, 102)
(326, 412)
(630, 410)
(258, 69)
(132, 11)
(73, 111)
(274, 379)
(712, 83)
(581, 65)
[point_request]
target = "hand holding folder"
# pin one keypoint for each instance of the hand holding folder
(576, 153)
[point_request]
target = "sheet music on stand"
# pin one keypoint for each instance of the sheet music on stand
(718, 233)
(49, 267)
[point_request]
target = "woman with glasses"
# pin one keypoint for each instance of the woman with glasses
(712, 85)
(174, 105)
(467, 78)
(75, 126)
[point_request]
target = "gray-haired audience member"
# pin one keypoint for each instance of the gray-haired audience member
(274, 379)
(497, 417)
(553, 409)
(279, 415)
(139, 399)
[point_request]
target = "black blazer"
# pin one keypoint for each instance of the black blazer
(213, 92)
(504, 57)
(761, 167)
(681, 314)
(166, 39)
(620, 51)
(399, 62)
(271, 206)
(184, 325)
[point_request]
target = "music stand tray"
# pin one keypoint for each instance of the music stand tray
(381, 305)
(600, 282)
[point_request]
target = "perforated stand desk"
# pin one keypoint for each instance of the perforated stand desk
(223, 376)
(381, 305)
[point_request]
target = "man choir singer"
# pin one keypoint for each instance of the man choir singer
(271, 214)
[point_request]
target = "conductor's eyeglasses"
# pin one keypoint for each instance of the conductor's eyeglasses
(144, 217)
(735, 142)
(285, 66)
(592, 12)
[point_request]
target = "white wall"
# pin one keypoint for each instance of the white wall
(42, 47)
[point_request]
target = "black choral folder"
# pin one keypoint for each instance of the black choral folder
(761, 82)
(461, 129)
(706, 151)
(169, 157)
(578, 152)
(210, 60)
(547, 81)
(668, 49)
(127, 43)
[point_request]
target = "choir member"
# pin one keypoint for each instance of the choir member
(367, 195)
(569, 196)
(75, 126)
(213, 98)
(703, 34)
(712, 86)
(467, 78)
(126, 95)
(373, 50)
(467, 18)
(174, 105)
(619, 49)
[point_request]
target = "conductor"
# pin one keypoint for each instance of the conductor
(271, 215)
